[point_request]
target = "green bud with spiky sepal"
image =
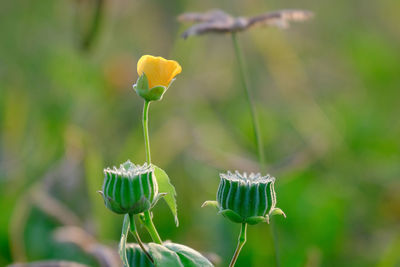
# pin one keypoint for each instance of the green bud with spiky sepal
(246, 198)
(130, 188)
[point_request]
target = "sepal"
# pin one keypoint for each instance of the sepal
(277, 211)
(257, 219)
(148, 94)
(211, 203)
(231, 215)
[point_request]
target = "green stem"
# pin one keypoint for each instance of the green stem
(146, 130)
(122, 242)
(148, 222)
(241, 242)
(257, 132)
(137, 237)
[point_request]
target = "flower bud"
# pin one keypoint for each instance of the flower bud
(130, 189)
(155, 76)
(246, 198)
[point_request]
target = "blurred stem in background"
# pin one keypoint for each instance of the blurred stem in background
(147, 220)
(89, 37)
(252, 108)
(257, 134)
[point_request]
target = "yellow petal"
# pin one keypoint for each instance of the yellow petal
(159, 71)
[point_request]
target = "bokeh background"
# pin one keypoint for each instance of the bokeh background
(327, 94)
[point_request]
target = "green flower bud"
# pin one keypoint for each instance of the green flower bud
(130, 189)
(136, 256)
(246, 198)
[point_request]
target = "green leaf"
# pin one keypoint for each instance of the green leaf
(165, 186)
(189, 257)
(136, 256)
(157, 198)
(162, 256)
(176, 255)
(122, 242)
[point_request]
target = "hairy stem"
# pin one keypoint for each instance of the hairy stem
(146, 130)
(148, 221)
(137, 237)
(257, 132)
(241, 242)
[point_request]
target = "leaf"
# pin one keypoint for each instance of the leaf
(162, 256)
(122, 242)
(177, 255)
(157, 198)
(165, 186)
(136, 256)
(188, 256)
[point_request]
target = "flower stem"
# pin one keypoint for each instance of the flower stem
(241, 242)
(146, 130)
(137, 237)
(148, 221)
(257, 132)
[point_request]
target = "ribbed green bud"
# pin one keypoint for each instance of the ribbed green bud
(136, 257)
(246, 198)
(130, 189)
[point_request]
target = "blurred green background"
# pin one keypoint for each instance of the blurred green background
(327, 93)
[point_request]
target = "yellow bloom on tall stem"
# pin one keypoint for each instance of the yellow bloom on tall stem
(159, 71)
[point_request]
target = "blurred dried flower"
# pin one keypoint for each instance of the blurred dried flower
(217, 21)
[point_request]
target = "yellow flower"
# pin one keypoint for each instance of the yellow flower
(158, 70)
